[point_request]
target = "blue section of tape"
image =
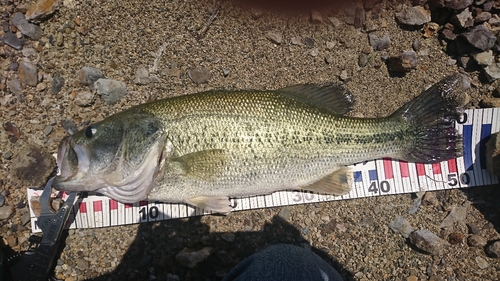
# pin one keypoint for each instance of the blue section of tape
(468, 147)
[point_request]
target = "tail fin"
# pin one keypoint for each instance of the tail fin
(431, 121)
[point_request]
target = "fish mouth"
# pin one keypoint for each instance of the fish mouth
(73, 161)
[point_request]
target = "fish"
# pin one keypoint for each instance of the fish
(203, 149)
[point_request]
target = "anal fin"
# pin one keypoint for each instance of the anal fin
(218, 204)
(336, 183)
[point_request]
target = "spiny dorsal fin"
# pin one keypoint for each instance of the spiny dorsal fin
(332, 97)
(203, 165)
(336, 183)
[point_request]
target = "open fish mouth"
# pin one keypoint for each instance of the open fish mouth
(118, 180)
(72, 160)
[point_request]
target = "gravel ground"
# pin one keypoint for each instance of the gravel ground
(242, 50)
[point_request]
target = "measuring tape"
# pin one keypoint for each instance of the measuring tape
(372, 178)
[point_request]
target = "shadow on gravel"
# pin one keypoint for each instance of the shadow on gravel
(485, 199)
(152, 254)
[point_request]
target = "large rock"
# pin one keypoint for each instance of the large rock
(480, 37)
(26, 28)
(111, 91)
(28, 73)
(428, 242)
(41, 9)
(493, 154)
(89, 75)
(379, 43)
(404, 62)
(416, 15)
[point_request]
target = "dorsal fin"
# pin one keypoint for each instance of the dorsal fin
(331, 97)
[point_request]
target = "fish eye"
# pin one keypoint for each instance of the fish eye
(90, 131)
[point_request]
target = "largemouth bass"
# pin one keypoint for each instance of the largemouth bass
(204, 148)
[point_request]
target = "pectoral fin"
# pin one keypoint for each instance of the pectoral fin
(218, 204)
(336, 183)
(203, 165)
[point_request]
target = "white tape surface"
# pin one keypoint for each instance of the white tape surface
(373, 178)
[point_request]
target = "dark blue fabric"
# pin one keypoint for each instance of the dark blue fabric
(283, 262)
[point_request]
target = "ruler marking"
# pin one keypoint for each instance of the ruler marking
(476, 138)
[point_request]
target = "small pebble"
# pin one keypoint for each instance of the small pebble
(2, 200)
(328, 59)
(482, 17)
(335, 22)
(379, 44)
(427, 241)
(274, 37)
(477, 241)
(404, 62)
(28, 73)
(141, 75)
(82, 264)
(415, 15)
(457, 5)
(362, 60)
(457, 214)
(462, 19)
(47, 130)
(484, 58)
(412, 278)
(16, 88)
(31, 30)
(11, 39)
(473, 228)
(492, 71)
(7, 155)
(451, 61)
(26, 218)
(402, 226)
(309, 42)
(343, 75)
(480, 37)
(314, 52)
(285, 213)
(481, 262)
(57, 84)
(416, 45)
(41, 9)
(40, 87)
(190, 258)
(455, 238)
(297, 40)
(225, 72)
(89, 75)
(111, 91)
(70, 127)
(59, 39)
(12, 131)
(316, 17)
(6, 212)
(199, 75)
(330, 45)
(430, 199)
